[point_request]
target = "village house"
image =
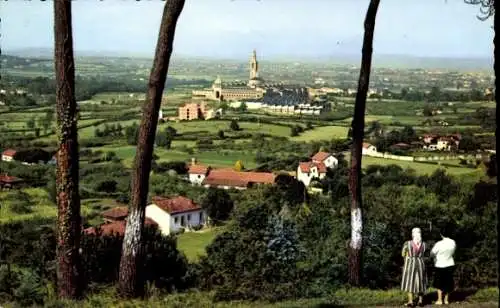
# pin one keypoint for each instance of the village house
(9, 182)
(229, 178)
(174, 214)
(441, 143)
(197, 173)
(368, 149)
(307, 171)
(326, 158)
(169, 215)
(226, 178)
(316, 168)
(8, 155)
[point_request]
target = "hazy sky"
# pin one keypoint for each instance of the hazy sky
(225, 28)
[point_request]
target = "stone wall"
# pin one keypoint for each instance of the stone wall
(423, 158)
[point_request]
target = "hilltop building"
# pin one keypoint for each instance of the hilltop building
(220, 91)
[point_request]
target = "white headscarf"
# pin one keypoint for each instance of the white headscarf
(416, 235)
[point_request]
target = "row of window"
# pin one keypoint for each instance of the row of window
(187, 218)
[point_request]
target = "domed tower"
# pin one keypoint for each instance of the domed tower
(254, 80)
(217, 88)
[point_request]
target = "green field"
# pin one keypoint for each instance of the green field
(41, 207)
(212, 158)
(323, 133)
(193, 244)
(421, 168)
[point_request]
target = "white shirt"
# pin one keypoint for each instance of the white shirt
(443, 253)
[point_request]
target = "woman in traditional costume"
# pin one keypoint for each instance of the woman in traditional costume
(414, 279)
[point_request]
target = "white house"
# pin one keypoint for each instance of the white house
(310, 170)
(368, 149)
(443, 144)
(8, 155)
(326, 158)
(173, 214)
(197, 173)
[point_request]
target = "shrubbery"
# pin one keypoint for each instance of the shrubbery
(27, 261)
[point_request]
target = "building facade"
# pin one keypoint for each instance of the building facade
(252, 90)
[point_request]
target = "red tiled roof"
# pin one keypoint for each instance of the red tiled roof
(116, 227)
(229, 177)
(9, 152)
(175, 205)
(321, 156)
(321, 167)
(446, 139)
(366, 145)
(9, 179)
(198, 169)
(306, 167)
(116, 213)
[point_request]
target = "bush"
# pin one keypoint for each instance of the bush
(33, 249)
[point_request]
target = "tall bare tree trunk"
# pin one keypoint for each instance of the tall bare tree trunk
(130, 282)
(497, 133)
(68, 199)
(358, 126)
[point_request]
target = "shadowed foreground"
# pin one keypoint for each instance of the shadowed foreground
(483, 298)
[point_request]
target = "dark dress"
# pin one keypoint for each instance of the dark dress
(443, 279)
(414, 274)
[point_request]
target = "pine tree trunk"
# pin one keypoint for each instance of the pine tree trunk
(358, 126)
(495, 68)
(68, 199)
(130, 282)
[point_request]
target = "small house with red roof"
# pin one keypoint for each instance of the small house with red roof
(8, 155)
(173, 214)
(115, 227)
(229, 178)
(309, 170)
(368, 149)
(8, 182)
(316, 168)
(197, 173)
(168, 214)
(325, 158)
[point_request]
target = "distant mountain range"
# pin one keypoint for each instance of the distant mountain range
(379, 60)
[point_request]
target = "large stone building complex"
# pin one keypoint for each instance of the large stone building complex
(276, 98)
(220, 91)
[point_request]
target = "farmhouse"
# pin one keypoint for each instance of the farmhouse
(326, 158)
(114, 228)
(168, 214)
(174, 214)
(309, 170)
(441, 143)
(197, 173)
(229, 178)
(368, 149)
(8, 155)
(316, 168)
(9, 182)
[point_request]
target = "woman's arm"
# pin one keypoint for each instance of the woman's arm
(404, 251)
(434, 250)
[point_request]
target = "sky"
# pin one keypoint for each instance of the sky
(276, 28)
